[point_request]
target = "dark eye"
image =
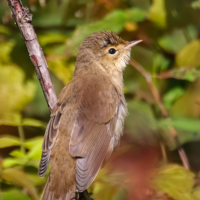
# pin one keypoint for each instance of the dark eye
(111, 51)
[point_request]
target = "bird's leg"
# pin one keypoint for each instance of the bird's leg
(85, 195)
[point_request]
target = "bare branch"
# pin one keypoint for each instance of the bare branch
(23, 20)
(163, 110)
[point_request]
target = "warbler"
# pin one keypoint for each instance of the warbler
(88, 119)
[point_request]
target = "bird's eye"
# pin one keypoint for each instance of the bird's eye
(111, 51)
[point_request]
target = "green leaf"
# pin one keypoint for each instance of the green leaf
(117, 18)
(188, 130)
(186, 124)
(195, 4)
(5, 50)
(171, 96)
(14, 119)
(33, 122)
(20, 178)
(160, 62)
(33, 162)
(49, 38)
(31, 142)
(49, 15)
(17, 154)
(189, 55)
(36, 151)
(10, 162)
(175, 181)
(10, 119)
(157, 13)
(168, 40)
(35, 147)
(14, 194)
(9, 141)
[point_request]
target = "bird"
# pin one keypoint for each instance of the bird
(88, 119)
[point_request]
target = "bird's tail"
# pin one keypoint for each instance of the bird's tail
(48, 194)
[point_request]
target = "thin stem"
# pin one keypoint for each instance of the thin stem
(22, 138)
(164, 155)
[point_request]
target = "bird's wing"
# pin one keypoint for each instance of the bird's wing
(50, 136)
(92, 136)
(97, 106)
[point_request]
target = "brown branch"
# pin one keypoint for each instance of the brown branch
(23, 20)
(163, 110)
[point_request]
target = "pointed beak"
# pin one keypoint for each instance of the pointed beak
(132, 43)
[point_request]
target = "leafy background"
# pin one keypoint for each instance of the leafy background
(147, 164)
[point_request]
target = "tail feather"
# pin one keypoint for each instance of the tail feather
(48, 194)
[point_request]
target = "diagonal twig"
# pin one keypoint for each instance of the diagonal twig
(23, 20)
(163, 110)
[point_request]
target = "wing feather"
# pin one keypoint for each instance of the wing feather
(94, 128)
(51, 133)
(88, 167)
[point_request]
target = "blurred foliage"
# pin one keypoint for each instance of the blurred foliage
(146, 165)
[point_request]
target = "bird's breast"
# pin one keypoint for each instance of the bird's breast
(121, 112)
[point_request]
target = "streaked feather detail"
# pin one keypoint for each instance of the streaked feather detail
(49, 140)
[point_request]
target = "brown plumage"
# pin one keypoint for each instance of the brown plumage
(87, 121)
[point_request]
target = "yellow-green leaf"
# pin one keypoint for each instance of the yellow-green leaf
(63, 69)
(9, 162)
(49, 38)
(189, 55)
(31, 142)
(35, 152)
(10, 119)
(175, 181)
(20, 178)
(9, 141)
(14, 194)
(18, 154)
(4, 29)
(157, 13)
(33, 122)
(15, 91)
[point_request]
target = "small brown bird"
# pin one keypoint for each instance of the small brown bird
(88, 119)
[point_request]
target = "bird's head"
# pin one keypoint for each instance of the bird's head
(106, 49)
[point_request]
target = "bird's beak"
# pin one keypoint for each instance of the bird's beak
(132, 43)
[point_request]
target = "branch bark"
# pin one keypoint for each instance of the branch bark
(163, 110)
(23, 20)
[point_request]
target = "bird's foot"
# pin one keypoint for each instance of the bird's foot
(85, 195)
